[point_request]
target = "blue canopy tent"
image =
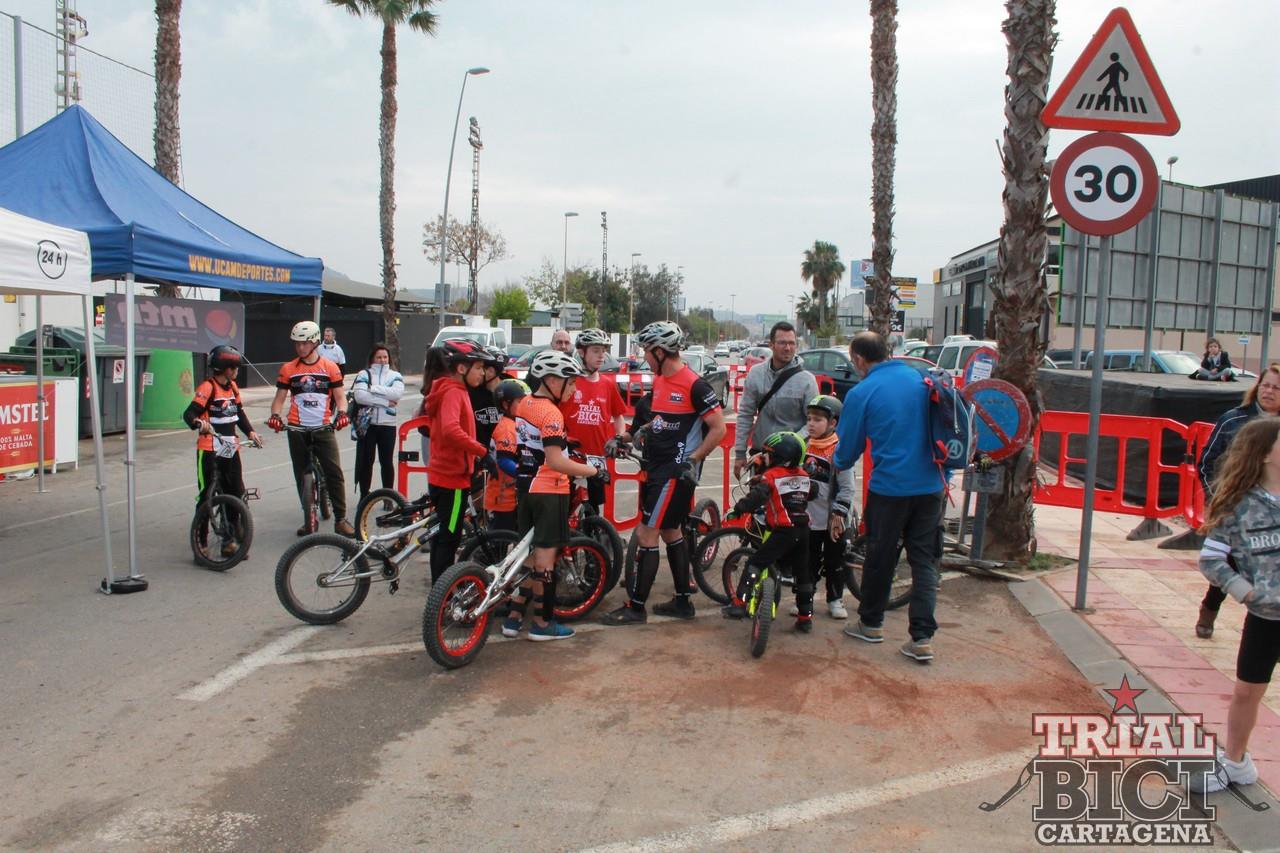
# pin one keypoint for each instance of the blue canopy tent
(72, 172)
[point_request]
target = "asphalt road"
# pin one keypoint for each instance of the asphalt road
(200, 716)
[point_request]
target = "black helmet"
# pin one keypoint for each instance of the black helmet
(509, 391)
(831, 405)
(786, 448)
(224, 356)
(496, 356)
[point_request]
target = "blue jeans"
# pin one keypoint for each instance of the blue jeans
(913, 522)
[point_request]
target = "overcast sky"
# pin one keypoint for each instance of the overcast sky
(721, 135)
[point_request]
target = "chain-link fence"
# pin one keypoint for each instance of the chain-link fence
(119, 96)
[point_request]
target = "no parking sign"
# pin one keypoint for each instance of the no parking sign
(1002, 418)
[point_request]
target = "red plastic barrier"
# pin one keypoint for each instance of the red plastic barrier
(409, 431)
(610, 494)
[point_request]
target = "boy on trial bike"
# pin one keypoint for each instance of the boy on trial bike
(685, 425)
(217, 410)
(594, 412)
(543, 487)
(784, 491)
(829, 510)
(313, 386)
(504, 450)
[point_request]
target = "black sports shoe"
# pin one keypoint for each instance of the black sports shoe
(679, 607)
(625, 615)
(805, 626)
(734, 611)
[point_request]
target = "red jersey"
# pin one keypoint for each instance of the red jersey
(590, 414)
(540, 424)
(500, 491)
(784, 494)
(680, 403)
(310, 388)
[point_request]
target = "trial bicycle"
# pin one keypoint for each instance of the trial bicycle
(222, 527)
(315, 490)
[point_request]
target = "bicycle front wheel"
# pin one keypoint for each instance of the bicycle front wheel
(310, 584)
(379, 512)
(852, 563)
(766, 607)
(581, 571)
(452, 636)
(704, 519)
(310, 502)
(711, 570)
(221, 532)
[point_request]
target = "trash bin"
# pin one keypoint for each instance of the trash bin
(59, 362)
(110, 373)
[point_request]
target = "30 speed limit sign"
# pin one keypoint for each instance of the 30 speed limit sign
(1104, 183)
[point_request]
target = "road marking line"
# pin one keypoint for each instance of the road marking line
(731, 829)
(345, 654)
(247, 665)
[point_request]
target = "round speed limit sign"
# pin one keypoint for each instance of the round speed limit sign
(1104, 183)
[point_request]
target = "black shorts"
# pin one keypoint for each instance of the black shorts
(665, 503)
(1259, 650)
(548, 517)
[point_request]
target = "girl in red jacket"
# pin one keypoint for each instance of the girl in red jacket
(454, 448)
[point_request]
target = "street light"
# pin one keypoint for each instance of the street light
(1173, 159)
(444, 220)
(631, 322)
(564, 283)
(733, 315)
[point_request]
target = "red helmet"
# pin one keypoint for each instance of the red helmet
(458, 350)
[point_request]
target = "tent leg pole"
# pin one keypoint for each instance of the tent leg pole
(315, 310)
(95, 416)
(134, 582)
(42, 412)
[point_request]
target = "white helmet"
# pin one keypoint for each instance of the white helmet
(305, 331)
(592, 337)
(552, 362)
(663, 334)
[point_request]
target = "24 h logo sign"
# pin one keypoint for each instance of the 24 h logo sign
(1120, 778)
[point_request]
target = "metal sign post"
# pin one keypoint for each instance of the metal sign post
(1095, 420)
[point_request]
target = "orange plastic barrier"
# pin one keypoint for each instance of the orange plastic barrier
(610, 509)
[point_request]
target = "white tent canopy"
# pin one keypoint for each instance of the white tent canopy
(40, 259)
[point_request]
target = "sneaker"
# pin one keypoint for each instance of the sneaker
(511, 626)
(804, 625)
(1204, 625)
(921, 650)
(229, 548)
(551, 631)
(679, 607)
(865, 632)
(342, 527)
(734, 611)
(303, 531)
(837, 609)
(1226, 772)
(625, 615)
(795, 609)
(787, 580)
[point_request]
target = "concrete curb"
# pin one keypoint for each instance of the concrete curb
(1104, 666)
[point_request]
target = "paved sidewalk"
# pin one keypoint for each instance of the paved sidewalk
(1145, 602)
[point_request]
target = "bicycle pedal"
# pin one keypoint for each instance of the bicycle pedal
(393, 587)
(252, 495)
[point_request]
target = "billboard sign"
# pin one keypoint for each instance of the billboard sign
(189, 325)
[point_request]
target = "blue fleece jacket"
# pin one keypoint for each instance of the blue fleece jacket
(890, 408)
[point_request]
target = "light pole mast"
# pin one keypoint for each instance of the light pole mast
(632, 321)
(564, 281)
(474, 139)
(448, 176)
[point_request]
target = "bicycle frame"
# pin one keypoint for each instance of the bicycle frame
(508, 574)
(342, 576)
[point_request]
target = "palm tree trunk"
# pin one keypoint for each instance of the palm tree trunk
(168, 136)
(822, 305)
(884, 141)
(387, 191)
(1021, 295)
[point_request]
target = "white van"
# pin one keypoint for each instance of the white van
(955, 354)
(491, 337)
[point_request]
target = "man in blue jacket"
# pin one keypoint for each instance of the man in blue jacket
(890, 408)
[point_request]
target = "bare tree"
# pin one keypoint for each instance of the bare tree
(476, 246)
(1021, 294)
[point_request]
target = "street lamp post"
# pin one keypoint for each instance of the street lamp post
(1173, 159)
(631, 322)
(444, 220)
(680, 284)
(733, 314)
(564, 282)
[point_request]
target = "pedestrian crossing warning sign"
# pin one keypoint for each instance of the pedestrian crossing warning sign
(1113, 86)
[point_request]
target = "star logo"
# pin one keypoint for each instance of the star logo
(1125, 696)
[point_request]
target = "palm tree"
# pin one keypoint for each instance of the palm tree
(884, 141)
(1021, 295)
(418, 15)
(168, 136)
(823, 269)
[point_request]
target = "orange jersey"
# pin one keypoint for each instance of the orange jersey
(221, 409)
(310, 388)
(500, 491)
(540, 424)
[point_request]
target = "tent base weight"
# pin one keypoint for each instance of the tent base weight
(124, 586)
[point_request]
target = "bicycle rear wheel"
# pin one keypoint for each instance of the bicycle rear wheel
(221, 532)
(709, 561)
(451, 638)
(704, 519)
(380, 512)
(855, 553)
(766, 608)
(310, 502)
(599, 529)
(488, 546)
(322, 495)
(304, 582)
(581, 572)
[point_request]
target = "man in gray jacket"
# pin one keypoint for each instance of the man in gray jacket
(786, 409)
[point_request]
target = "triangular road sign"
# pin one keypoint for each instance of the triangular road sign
(1113, 86)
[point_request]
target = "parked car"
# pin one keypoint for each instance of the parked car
(515, 351)
(913, 348)
(833, 364)
(491, 337)
(955, 354)
(698, 348)
(930, 353)
(716, 374)
(1162, 361)
(722, 349)
(522, 362)
(754, 355)
(736, 347)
